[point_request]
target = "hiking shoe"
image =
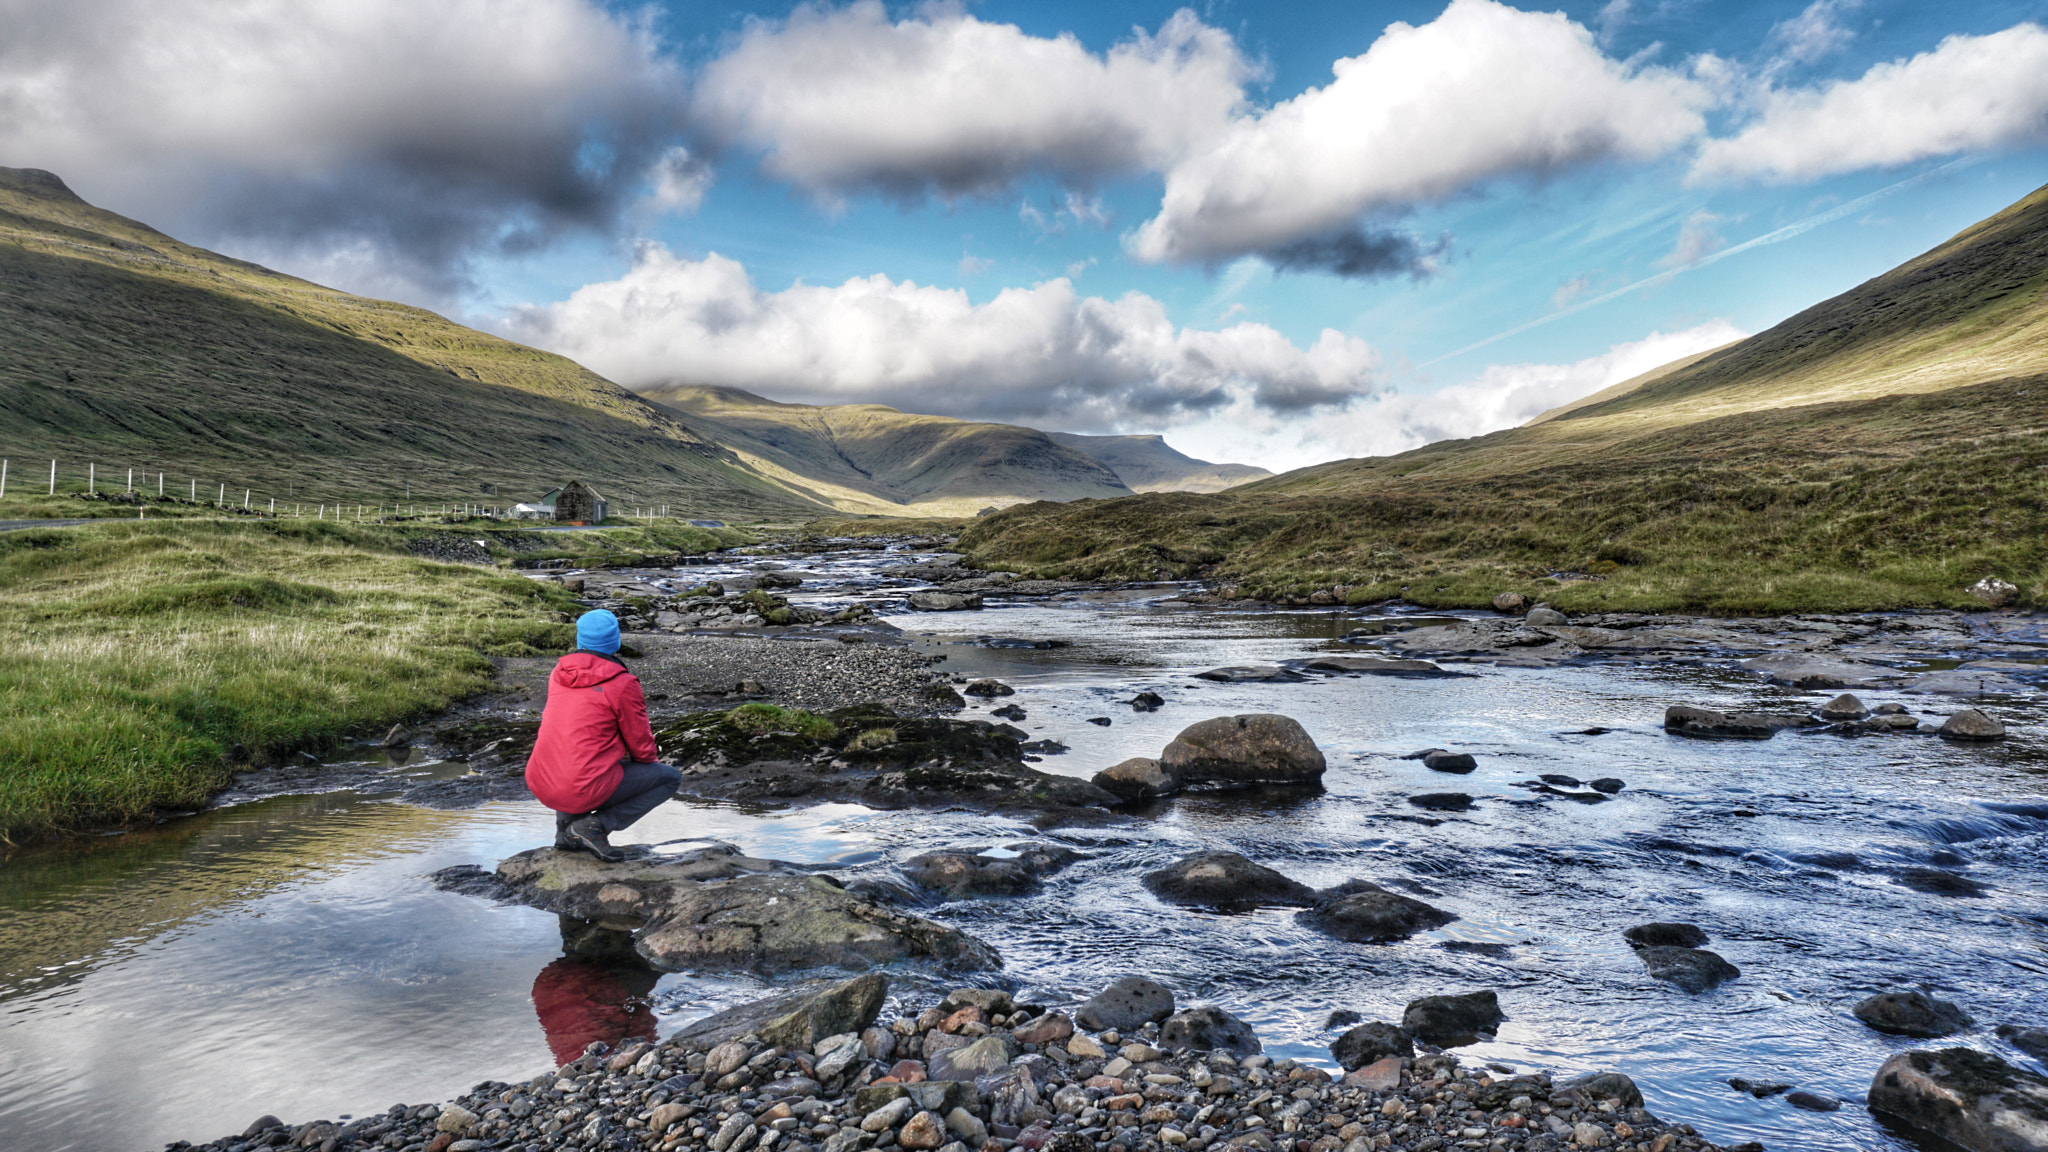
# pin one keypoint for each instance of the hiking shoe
(563, 842)
(591, 836)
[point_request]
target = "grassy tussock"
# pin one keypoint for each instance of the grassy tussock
(885, 526)
(138, 657)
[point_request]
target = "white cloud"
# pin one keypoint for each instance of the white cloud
(1030, 354)
(844, 100)
(680, 181)
(1816, 32)
(1482, 91)
(1698, 238)
(972, 265)
(1386, 423)
(1969, 93)
(419, 133)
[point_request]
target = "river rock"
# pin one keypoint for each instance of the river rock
(1993, 592)
(712, 909)
(969, 873)
(1208, 1029)
(1665, 934)
(1225, 880)
(1511, 603)
(2032, 1041)
(1914, 1014)
(1841, 708)
(1607, 785)
(1694, 969)
(1813, 1101)
(1240, 751)
(989, 689)
(945, 601)
(1139, 778)
(1131, 1002)
(1971, 724)
(1682, 720)
(1446, 1020)
(1940, 882)
(1443, 801)
(1615, 1086)
(1459, 763)
(983, 1056)
(1147, 701)
(1248, 674)
(1365, 913)
(1375, 666)
(1544, 616)
(1973, 1101)
(1371, 1043)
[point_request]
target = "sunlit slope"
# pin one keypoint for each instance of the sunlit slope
(124, 346)
(1150, 464)
(1883, 448)
(875, 459)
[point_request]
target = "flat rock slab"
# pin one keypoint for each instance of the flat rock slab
(1795, 670)
(1376, 666)
(714, 909)
(1681, 720)
(1249, 674)
(1973, 1101)
(873, 756)
(1966, 682)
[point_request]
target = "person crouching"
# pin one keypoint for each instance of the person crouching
(594, 761)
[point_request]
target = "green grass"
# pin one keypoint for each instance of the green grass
(761, 719)
(144, 662)
(1890, 503)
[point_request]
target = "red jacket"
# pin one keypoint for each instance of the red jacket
(595, 719)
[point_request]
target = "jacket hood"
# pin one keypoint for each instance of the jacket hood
(584, 669)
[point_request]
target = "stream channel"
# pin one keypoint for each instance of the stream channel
(291, 956)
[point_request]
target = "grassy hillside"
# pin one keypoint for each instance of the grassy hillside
(874, 459)
(146, 661)
(1887, 447)
(124, 347)
(1150, 464)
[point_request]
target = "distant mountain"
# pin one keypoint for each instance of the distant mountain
(1150, 464)
(124, 347)
(1883, 448)
(874, 459)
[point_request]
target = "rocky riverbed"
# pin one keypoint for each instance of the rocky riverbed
(977, 1072)
(1495, 801)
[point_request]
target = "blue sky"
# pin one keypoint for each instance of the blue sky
(1089, 217)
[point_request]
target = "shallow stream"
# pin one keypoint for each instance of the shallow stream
(290, 956)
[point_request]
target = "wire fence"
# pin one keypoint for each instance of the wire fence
(121, 485)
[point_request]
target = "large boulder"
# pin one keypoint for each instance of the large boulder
(2032, 1041)
(1993, 592)
(712, 909)
(1914, 1014)
(1971, 724)
(1139, 778)
(1959, 1095)
(1693, 969)
(1448, 1020)
(1225, 880)
(1365, 913)
(1681, 720)
(1371, 1043)
(1249, 674)
(1131, 1002)
(818, 1010)
(1376, 666)
(1842, 708)
(1242, 751)
(1208, 1030)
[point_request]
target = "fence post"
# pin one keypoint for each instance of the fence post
(53, 477)
(159, 485)
(3, 477)
(131, 480)
(245, 499)
(193, 496)
(223, 498)
(92, 479)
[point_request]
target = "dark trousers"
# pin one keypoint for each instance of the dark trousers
(641, 790)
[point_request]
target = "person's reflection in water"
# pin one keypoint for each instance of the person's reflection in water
(579, 1001)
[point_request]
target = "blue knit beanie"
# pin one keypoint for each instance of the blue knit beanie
(597, 631)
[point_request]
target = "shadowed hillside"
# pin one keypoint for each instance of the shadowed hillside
(121, 345)
(1885, 447)
(875, 459)
(1150, 464)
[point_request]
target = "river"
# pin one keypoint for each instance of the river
(290, 955)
